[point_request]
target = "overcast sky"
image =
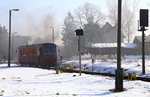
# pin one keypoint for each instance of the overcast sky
(39, 8)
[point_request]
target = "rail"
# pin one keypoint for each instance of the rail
(106, 74)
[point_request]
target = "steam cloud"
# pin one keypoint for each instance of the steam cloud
(40, 29)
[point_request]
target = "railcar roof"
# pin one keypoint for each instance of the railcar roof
(113, 45)
(42, 44)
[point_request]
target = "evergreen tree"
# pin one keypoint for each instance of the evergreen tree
(70, 40)
(92, 33)
(3, 42)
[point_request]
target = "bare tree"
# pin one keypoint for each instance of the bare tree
(129, 10)
(89, 13)
(90, 18)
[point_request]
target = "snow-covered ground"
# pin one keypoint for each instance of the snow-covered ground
(129, 64)
(17, 81)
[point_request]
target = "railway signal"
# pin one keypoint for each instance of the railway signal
(143, 24)
(79, 32)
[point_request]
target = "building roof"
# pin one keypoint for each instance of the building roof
(111, 45)
(106, 27)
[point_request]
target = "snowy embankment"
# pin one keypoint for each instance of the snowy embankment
(130, 64)
(35, 82)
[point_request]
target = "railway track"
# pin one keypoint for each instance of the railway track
(106, 74)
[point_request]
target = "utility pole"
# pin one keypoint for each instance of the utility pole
(53, 34)
(9, 44)
(13, 55)
(53, 31)
(119, 71)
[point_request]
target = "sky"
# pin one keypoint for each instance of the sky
(42, 7)
(33, 11)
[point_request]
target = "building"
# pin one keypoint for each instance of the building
(18, 41)
(108, 44)
(111, 49)
(138, 41)
(109, 34)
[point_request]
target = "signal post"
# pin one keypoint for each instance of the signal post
(143, 24)
(79, 32)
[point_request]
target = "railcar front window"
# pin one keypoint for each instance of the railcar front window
(50, 52)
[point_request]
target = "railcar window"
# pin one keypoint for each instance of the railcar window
(41, 51)
(49, 51)
(20, 52)
(29, 52)
(34, 51)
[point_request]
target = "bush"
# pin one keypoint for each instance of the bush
(71, 67)
(63, 68)
(132, 76)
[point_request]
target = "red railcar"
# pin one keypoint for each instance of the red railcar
(40, 55)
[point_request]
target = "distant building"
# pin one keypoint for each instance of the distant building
(111, 49)
(138, 41)
(134, 48)
(19, 41)
(106, 34)
(109, 34)
(108, 44)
